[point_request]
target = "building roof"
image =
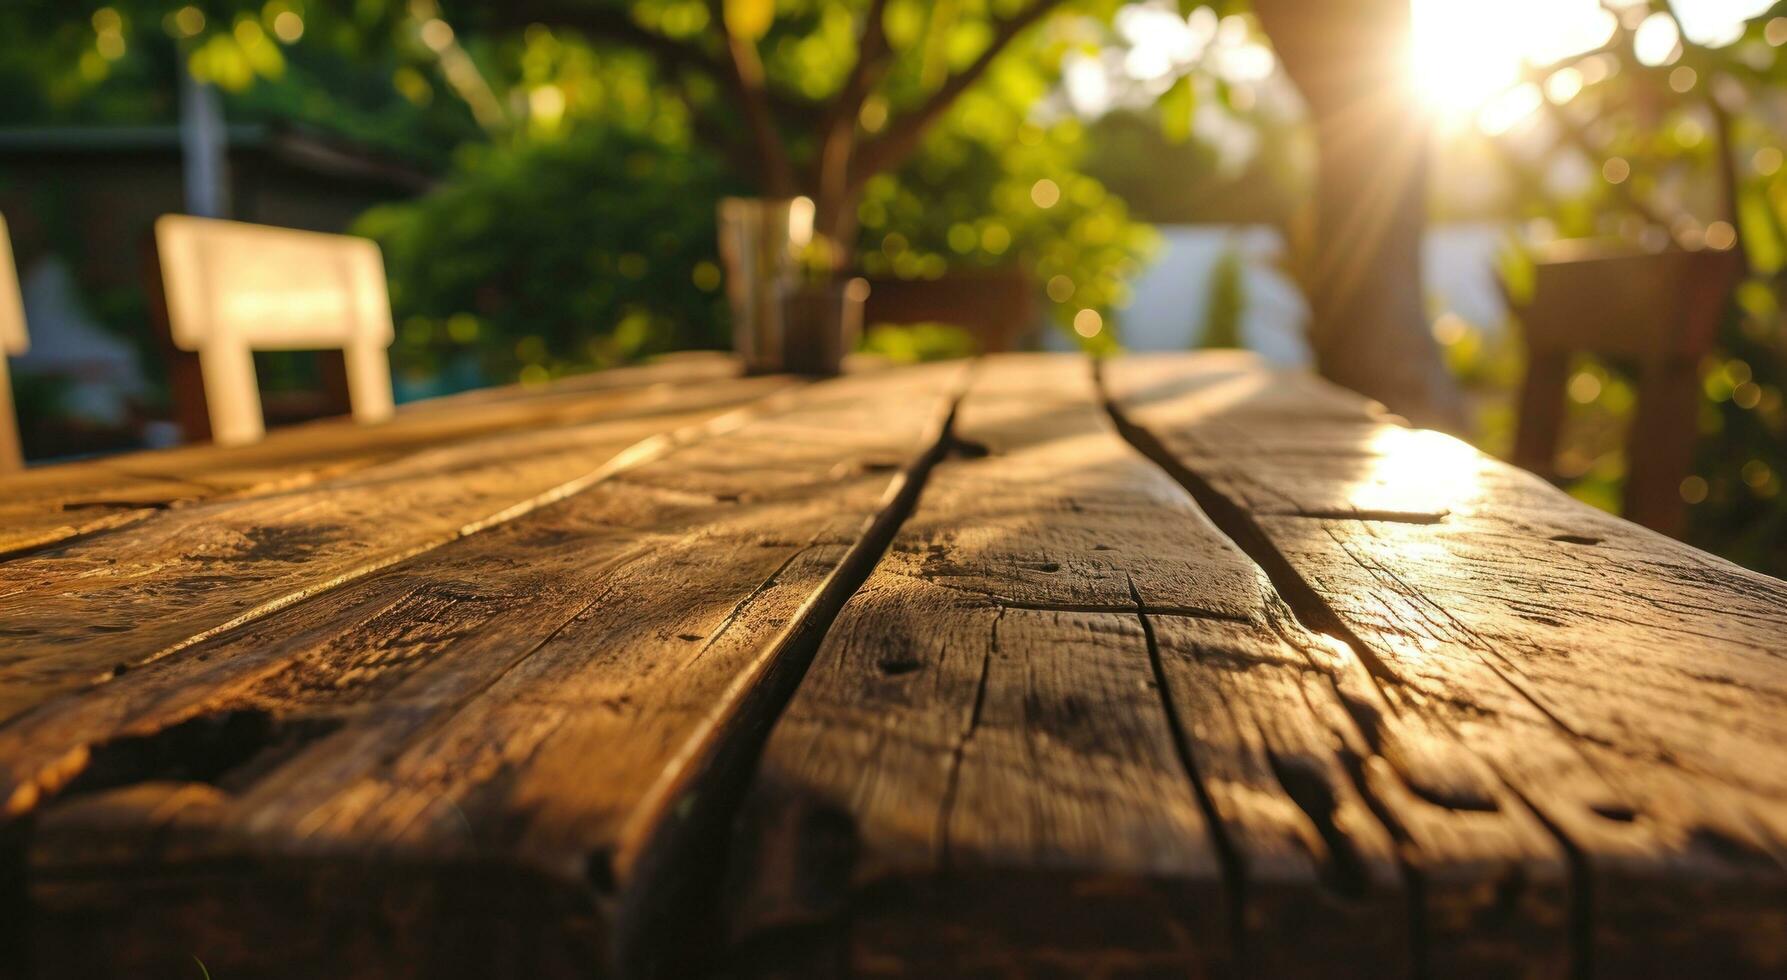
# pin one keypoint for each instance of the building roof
(293, 146)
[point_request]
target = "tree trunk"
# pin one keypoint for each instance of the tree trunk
(1361, 262)
(838, 223)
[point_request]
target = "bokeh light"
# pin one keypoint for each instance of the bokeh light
(1088, 323)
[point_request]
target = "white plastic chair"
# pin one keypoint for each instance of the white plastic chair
(13, 340)
(234, 288)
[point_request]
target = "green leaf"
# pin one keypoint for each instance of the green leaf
(1176, 108)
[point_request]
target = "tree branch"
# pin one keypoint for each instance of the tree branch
(903, 137)
(607, 22)
(736, 149)
(1576, 136)
(744, 75)
(838, 137)
(610, 23)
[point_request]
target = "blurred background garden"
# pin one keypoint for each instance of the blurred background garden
(542, 176)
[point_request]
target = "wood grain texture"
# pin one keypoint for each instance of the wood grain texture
(1232, 676)
(500, 757)
(1067, 727)
(1626, 687)
(980, 737)
(49, 504)
(76, 613)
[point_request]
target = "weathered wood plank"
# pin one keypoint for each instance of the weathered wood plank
(501, 756)
(1415, 713)
(980, 737)
(45, 505)
(80, 612)
(1627, 687)
(1063, 709)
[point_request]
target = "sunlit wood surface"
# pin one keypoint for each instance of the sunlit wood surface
(1181, 667)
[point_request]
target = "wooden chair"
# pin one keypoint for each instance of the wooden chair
(12, 341)
(230, 289)
(1660, 314)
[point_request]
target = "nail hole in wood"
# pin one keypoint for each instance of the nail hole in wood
(599, 869)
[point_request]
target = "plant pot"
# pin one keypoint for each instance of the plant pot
(761, 241)
(822, 323)
(790, 313)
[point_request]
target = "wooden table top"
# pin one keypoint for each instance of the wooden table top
(1179, 667)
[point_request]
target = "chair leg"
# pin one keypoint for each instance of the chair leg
(368, 381)
(186, 390)
(1660, 449)
(186, 380)
(231, 394)
(1541, 418)
(12, 455)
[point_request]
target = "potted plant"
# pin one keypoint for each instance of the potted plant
(788, 249)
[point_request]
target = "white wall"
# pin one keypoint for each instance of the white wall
(1171, 296)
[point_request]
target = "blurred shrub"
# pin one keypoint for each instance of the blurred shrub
(565, 252)
(910, 344)
(555, 255)
(994, 187)
(1737, 504)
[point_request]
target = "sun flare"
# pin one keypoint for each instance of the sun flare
(1467, 53)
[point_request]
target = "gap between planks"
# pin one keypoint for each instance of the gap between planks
(716, 767)
(1314, 615)
(1316, 870)
(637, 853)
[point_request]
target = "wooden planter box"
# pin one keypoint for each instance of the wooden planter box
(998, 307)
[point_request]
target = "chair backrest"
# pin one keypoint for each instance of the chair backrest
(233, 288)
(1660, 312)
(1638, 305)
(12, 341)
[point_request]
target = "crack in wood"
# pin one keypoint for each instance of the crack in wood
(1311, 613)
(471, 725)
(650, 930)
(1233, 877)
(947, 807)
(1380, 516)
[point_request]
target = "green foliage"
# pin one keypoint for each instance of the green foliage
(281, 61)
(1129, 152)
(523, 254)
(1743, 446)
(556, 255)
(974, 197)
(913, 343)
(1669, 145)
(574, 227)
